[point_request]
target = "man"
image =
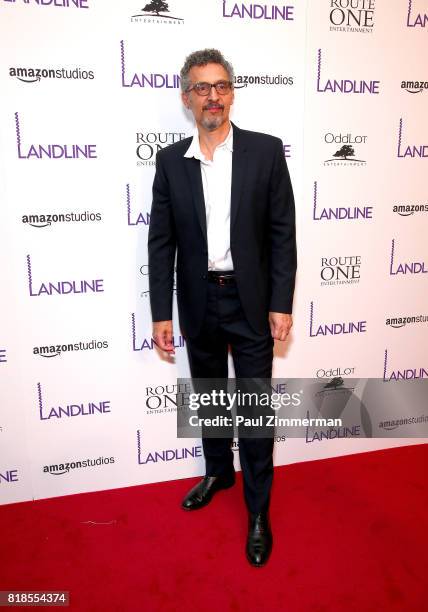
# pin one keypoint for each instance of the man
(223, 202)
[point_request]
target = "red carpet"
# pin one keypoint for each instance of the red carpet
(350, 533)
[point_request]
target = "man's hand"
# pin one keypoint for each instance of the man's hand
(162, 335)
(280, 325)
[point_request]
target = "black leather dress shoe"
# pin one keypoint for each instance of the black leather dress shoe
(203, 492)
(259, 540)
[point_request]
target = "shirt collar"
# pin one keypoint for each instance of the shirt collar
(194, 149)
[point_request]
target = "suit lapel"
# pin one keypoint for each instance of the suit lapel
(193, 168)
(239, 164)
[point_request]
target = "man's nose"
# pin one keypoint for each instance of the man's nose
(213, 96)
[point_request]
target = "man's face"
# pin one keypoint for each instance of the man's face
(210, 111)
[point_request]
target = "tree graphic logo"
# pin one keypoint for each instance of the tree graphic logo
(155, 8)
(344, 154)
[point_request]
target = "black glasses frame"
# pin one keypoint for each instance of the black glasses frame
(211, 85)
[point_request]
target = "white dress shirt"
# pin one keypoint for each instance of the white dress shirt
(217, 185)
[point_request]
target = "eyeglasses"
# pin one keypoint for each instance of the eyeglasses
(203, 89)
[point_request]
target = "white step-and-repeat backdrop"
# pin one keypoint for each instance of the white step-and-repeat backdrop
(89, 93)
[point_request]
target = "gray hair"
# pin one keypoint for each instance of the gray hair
(201, 58)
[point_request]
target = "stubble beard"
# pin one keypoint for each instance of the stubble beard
(211, 123)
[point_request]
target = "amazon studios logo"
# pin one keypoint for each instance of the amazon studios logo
(148, 343)
(157, 11)
(165, 455)
(345, 154)
(149, 143)
(52, 151)
(35, 75)
(56, 350)
(352, 16)
(70, 410)
(414, 87)
(340, 213)
(163, 399)
(62, 287)
(340, 270)
(407, 210)
(58, 469)
(415, 19)
(243, 80)
(402, 321)
(48, 219)
(346, 86)
(153, 80)
(334, 328)
(405, 267)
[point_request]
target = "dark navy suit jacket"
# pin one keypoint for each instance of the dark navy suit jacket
(262, 232)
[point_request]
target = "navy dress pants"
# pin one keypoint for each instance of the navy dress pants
(225, 324)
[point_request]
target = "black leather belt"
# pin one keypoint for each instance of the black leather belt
(221, 277)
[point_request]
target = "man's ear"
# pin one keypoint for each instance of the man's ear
(185, 99)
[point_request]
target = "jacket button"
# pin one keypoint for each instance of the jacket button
(204, 276)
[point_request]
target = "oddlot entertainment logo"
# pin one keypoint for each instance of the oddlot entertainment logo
(52, 151)
(346, 86)
(157, 11)
(71, 410)
(345, 154)
(67, 287)
(334, 372)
